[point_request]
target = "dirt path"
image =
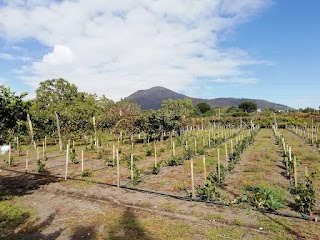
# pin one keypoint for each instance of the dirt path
(82, 210)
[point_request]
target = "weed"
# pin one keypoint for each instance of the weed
(86, 173)
(208, 192)
(156, 169)
(174, 161)
(40, 166)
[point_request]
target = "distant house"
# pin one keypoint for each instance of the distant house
(259, 110)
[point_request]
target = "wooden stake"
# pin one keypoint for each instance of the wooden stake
(192, 180)
(10, 155)
(295, 171)
(226, 150)
(38, 156)
(82, 160)
(173, 149)
(43, 150)
(67, 160)
(231, 147)
(118, 169)
(58, 130)
(204, 169)
(155, 154)
(27, 155)
(219, 172)
(131, 168)
(113, 154)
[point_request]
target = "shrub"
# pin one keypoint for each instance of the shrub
(208, 192)
(156, 169)
(174, 161)
(40, 166)
(261, 197)
(73, 156)
(305, 196)
(86, 173)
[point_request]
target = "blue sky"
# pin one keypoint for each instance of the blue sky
(264, 49)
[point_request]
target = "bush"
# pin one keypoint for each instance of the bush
(261, 197)
(73, 156)
(208, 192)
(40, 166)
(86, 173)
(149, 152)
(174, 161)
(305, 196)
(156, 169)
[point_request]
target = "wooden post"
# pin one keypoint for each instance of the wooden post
(231, 147)
(10, 155)
(45, 142)
(67, 160)
(192, 179)
(295, 171)
(27, 155)
(43, 151)
(118, 169)
(195, 146)
(186, 145)
(219, 172)
(155, 154)
(95, 130)
(82, 161)
(113, 154)
(30, 128)
(38, 156)
(204, 168)
(226, 149)
(58, 130)
(173, 149)
(131, 168)
(306, 171)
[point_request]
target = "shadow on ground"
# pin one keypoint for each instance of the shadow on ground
(128, 228)
(20, 184)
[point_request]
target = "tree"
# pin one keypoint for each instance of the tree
(203, 107)
(75, 109)
(248, 106)
(12, 112)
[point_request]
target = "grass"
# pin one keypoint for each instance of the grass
(11, 217)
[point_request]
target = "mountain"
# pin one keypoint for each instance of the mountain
(153, 97)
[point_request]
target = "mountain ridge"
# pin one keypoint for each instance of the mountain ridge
(152, 98)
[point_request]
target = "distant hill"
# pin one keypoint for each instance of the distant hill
(153, 97)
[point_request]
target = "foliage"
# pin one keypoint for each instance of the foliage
(174, 161)
(86, 173)
(262, 197)
(136, 176)
(209, 191)
(149, 151)
(203, 107)
(40, 166)
(187, 154)
(214, 177)
(305, 196)
(156, 169)
(12, 112)
(248, 106)
(9, 161)
(73, 156)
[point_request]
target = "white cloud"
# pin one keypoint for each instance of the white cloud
(59, 56)
(118, 47)
(6, 56)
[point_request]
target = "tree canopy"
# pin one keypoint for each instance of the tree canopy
(248, 106)
(12, 112)
(203, 107)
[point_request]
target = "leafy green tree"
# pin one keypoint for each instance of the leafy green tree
(75, 109)
(203, 107)
(12, 113)
(248, 106)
